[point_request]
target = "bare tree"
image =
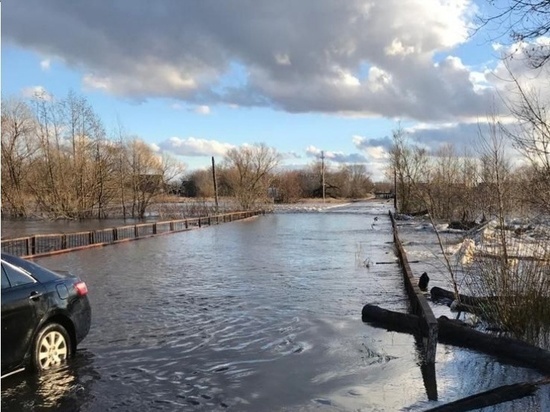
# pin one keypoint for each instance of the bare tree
(145, 178)
(531, 136)
(53, 173)
(199, 183)
(408, 166)
(289, 186)
(358, 182)
(248, 170)
(18, 155)
(524, 21)
(496, 170)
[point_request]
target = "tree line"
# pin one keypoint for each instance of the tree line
(58, 161)
(505, 173)
(239, 177)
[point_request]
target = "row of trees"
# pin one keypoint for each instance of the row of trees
(509, 172)
(461, 186)
(250, 174)
(58, 162)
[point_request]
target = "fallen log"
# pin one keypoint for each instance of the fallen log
(440, 294)
(394, 321)
(491, 397)
(455, 332)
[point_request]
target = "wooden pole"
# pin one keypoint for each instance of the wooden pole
(323, 174)
(215, 183)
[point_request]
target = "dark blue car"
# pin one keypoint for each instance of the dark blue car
(45, 315)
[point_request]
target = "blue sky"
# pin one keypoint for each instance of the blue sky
(196, 78)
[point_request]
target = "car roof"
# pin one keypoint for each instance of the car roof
(38, 272)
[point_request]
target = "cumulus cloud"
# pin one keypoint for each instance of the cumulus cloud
(336, 157)
(368, 143)
(376, 152)
(359, 57)
(192, 146)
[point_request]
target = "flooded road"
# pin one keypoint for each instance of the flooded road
(256, 315)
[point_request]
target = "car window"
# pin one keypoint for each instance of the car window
(5, 281)
(16, 276)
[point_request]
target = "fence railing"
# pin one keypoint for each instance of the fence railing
(40, 245)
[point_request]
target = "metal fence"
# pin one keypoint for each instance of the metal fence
(63, 242)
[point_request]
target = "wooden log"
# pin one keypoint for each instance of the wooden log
(440, 294)
(398, 322)
(455, 332)
(491, 397)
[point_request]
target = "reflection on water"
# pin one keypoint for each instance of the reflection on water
(64, 389)
(257, 315)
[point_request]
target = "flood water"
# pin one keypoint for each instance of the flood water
(255, 315)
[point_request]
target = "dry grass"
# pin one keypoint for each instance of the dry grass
(520, 292)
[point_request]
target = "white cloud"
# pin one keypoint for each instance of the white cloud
(180, 51)
(396, 48)
(45, 64)
(377, 153)
(192, 146)
(336, 157)
(204, 110)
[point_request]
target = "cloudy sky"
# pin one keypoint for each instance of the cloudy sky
(196, 78)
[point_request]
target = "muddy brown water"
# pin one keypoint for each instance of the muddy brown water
(256, 315)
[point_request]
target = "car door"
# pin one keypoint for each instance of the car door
(22, 305)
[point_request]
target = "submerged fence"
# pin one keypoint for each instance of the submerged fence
(419, 303)
(38, 245)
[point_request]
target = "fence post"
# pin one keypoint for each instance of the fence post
(115, 234)
(136, 231)
(64, 241)
(91, 238)
(33, 245)
(154, 228)
(186, 224)
(171, 226)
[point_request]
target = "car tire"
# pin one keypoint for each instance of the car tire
(52, 347)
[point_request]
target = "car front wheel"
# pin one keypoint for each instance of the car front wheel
(52, 347)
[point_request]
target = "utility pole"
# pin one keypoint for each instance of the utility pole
(215, 183)
(323, 173)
